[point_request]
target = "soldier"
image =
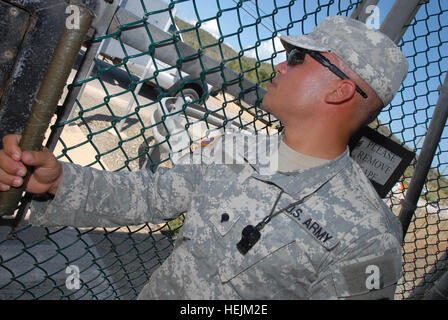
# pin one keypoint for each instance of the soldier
(308, 225)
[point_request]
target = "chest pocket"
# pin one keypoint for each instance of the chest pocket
(269, 267)
(225, 222)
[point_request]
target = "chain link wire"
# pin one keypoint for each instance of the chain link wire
(36, 262)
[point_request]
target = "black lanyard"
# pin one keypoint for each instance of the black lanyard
(250, 234)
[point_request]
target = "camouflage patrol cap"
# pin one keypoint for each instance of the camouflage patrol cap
(368, 52)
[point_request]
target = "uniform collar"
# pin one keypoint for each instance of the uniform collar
(298, 183)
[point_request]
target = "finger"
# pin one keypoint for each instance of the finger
(7, 180)
(11, 166)
(4, 187)
(11, 146)
(43, 158)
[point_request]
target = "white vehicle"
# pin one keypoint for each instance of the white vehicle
(142, 66)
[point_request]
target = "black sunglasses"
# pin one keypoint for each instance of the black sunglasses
(296, 56)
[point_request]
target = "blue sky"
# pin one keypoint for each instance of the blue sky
(427, 55)
(239, 27)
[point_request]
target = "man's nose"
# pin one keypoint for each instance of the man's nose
(280, 68)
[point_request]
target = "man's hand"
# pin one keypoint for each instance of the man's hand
(46, 175)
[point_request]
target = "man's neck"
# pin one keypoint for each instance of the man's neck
(291, 160)
(315, 143)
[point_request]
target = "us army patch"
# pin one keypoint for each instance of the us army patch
(313, 227)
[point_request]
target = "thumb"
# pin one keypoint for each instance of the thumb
(43, 158)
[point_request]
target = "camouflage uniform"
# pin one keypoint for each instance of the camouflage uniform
(341, 242)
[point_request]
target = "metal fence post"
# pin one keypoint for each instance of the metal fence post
(399, 17)
(104, 14)
(436, 272)
(426, 156)
(440, 289)
(360, 13)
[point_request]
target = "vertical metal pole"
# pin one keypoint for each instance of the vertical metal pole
(399, 17)
(361, 13)
(426, 156)
(73, 93)
(104, 16)
(440, 289)
(436, 272)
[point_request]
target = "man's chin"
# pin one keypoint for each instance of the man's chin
(266, 108)
(266, 105)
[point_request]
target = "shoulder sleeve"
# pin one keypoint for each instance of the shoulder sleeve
(93, 198)
(368, 270)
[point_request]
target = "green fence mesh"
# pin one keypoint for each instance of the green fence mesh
(42, 263)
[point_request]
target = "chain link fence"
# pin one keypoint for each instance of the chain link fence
(113, 127)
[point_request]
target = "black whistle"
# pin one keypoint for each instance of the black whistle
(249, 237)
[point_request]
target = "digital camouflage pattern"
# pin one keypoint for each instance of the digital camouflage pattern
(367, 51)
(341, 242)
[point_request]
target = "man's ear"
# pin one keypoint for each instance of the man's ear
(342, 92)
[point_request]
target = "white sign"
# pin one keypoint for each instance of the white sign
(377, 162)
